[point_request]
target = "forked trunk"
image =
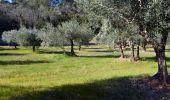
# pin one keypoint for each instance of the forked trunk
(72, 47)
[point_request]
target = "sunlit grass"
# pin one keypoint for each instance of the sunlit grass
(24, 73)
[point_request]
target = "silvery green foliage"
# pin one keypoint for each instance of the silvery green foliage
(27, 37)
(132, 33)
(120, 35)
(87, 8)
(86, 34)
(10, 36)
(116, 37)
(157, 18)
(58, 36)
(104, 31)
(72, 30)
(51, 36)
(116, 15)
(95, 7)
(106, 8)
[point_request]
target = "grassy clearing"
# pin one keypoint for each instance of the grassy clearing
(95, 74)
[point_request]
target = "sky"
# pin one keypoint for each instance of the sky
(10, 1)
(56, 2)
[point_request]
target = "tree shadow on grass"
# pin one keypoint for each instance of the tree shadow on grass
(3, 48)
(57, 52)
(25, 62)
(110, 89)
(69, 54)
(153, 59)
(101, 56)
(11, 54)
(51, 52)
(166, 50)
(92, 48)
(101, 51)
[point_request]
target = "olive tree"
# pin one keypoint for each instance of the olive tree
(152, 17)
(10, 37)
(68, 32)
(86, 35)
(155, 29)
(74, 32)
(117, 38)
(133, 39)
(51, 36)
(28, 37)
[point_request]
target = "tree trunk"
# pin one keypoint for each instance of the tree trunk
(72, 47)
(121, 51)
(138, 53)
(33, 48)
(133, 52)
(159, 47)
(144, 46)
(162, 73)
(15, 46)
(80, 46)
(124, 45)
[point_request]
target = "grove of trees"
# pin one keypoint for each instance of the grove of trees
(115, 23)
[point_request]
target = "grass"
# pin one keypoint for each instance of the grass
(95, 74)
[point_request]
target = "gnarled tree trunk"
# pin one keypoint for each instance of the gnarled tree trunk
(159, 49)
(162, 73)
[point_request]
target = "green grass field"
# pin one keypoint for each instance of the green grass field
(95, 74)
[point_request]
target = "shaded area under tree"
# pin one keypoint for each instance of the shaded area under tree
(110, 89)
